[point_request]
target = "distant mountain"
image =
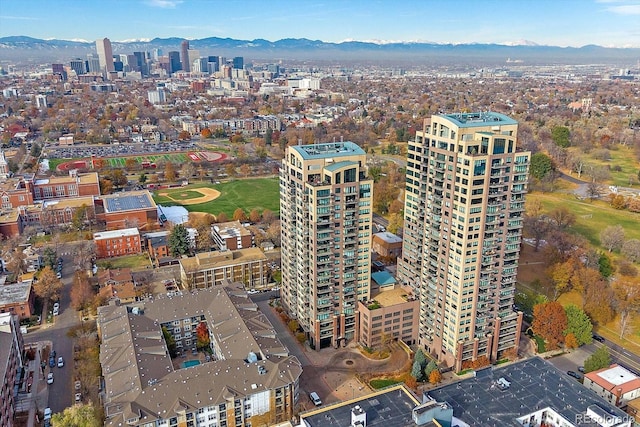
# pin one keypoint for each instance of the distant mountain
(23, 48)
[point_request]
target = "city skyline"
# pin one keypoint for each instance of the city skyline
(575, 23)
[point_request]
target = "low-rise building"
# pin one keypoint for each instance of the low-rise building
(250, 379)
(386, 244)
(390, 315)
(127, 209)
(616, 384)
(231, 236)
(207, 269)
(11, 362)
(157, 244)
(117, 243)
(18, 299)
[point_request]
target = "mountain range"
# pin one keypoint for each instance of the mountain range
(23, 48)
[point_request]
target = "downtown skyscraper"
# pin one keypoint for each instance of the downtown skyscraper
(464, 206)
(325, 219)
(105, 55)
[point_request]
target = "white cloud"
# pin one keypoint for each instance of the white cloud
(625, 9)
(19, 18)
(164, 4)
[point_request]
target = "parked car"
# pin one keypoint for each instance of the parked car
(56, 305)
(574, 375)
(581, 369)
(47, 413)
(78, 385)
(56, 311)
(60, 362)
(78, 397)
(598, 338)
(52, 361)
(50, 378)
(315, 398)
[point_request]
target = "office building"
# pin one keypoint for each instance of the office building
(184, 56)
(464, 204)
(238, 62)
(174, 61)
(79, 66)
(157, 96)
(105, 55)
(325, 211)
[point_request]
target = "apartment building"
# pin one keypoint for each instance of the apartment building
(11, 363)
(117, 243)
(250, 379)
(207, 269)
(464, 202)
(325, 213)
(231, 236)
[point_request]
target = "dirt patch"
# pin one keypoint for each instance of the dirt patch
(208, 194)
(532, 264)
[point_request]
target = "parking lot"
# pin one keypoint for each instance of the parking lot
(83, 151)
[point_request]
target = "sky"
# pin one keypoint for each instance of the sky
(610, 23)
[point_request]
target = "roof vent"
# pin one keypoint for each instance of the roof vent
(261, 370)
(503, 384)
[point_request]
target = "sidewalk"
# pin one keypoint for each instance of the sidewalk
(39, 395)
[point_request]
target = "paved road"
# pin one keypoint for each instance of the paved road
(60, 392)
(311, 378)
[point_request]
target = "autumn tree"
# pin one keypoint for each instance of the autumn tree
(81, 415)
(598, 360)
(48, 286)
(130, 163)
(254, 215)
(245, 170)
(222, 217)
(550, 321)
(205, 133)
(562, 218)
(239, 215)
(435, 376)
(169, 172)
(578, 325)
(598, 297)
(187, 170)
(612, 237)
(570, 341)
(627, 301)
(82, 293)
(268, 216)
(202, 334)
(631, 250)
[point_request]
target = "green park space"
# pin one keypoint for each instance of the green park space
(184, 194)
(134, 262)
(247, 194)
(623, 164)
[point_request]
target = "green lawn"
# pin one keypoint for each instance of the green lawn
(382, 383)
(591, 217)
(620, 156)
(248, 194)
(182, 194)
(135, 262)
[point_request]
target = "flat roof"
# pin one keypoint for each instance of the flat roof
(75, 202)
(128, 201)
(328, 150)
(389, 408)
(383, 278)
(388, 237)
(14, 294)
(483, 118)
(113, 234)
(339, 165)
(535, 384)
(393, 297)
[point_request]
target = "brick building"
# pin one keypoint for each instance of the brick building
(18, 299)
(231, 236)
(124, 210)
(11, 362)
(117, 243)
(387, 244)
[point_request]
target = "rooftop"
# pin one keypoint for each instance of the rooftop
(114, 234)
(478, 119)
(388, 237)
(392, 297)
(128, 201)
(14, 294)
(390, 407)
(218, 259)
(328, 150)
(383, 278)
(615, 377)
(339, 165)
(533, 384)
(75, 202)
(230, 229)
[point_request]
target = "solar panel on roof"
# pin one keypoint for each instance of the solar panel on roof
(128, 202)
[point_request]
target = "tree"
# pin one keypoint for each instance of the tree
(550, 321)
(205, 133)
(204, 239)
(431, 366)
(81, 292)
(631, 250)
(268, 216)
(142, 178)
(578, 325)
(562, 218)
(416, 371)
(560, 135)
(239, 215)
(202, 334)
(395, 223)
(222, 217)
(170, 341)
(79, 217)
(435, 376)
(77, 416)
(169, 172)
(570, 341)
(178, 241)
(48, 286)
(598, 360)
(612, 237)
(245, 170)
(49, 257)
(598, 297)
(627, 301)
(130, 163)
(254, 215)
(540, 166)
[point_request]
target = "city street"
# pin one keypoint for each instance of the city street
(61, 391)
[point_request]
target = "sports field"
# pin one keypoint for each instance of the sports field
(248, 194)
(119, 162)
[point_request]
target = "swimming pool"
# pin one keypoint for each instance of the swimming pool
(190, 363)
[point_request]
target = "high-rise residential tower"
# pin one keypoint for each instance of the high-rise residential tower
(464, 203)
(184, 56)
(105, 55)
(325, 212)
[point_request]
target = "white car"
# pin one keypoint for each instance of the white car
(56, 312)
(47, 413)
(253, 291)
(50, 378)
(60, 362)
(56, 305)
(78, 397)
